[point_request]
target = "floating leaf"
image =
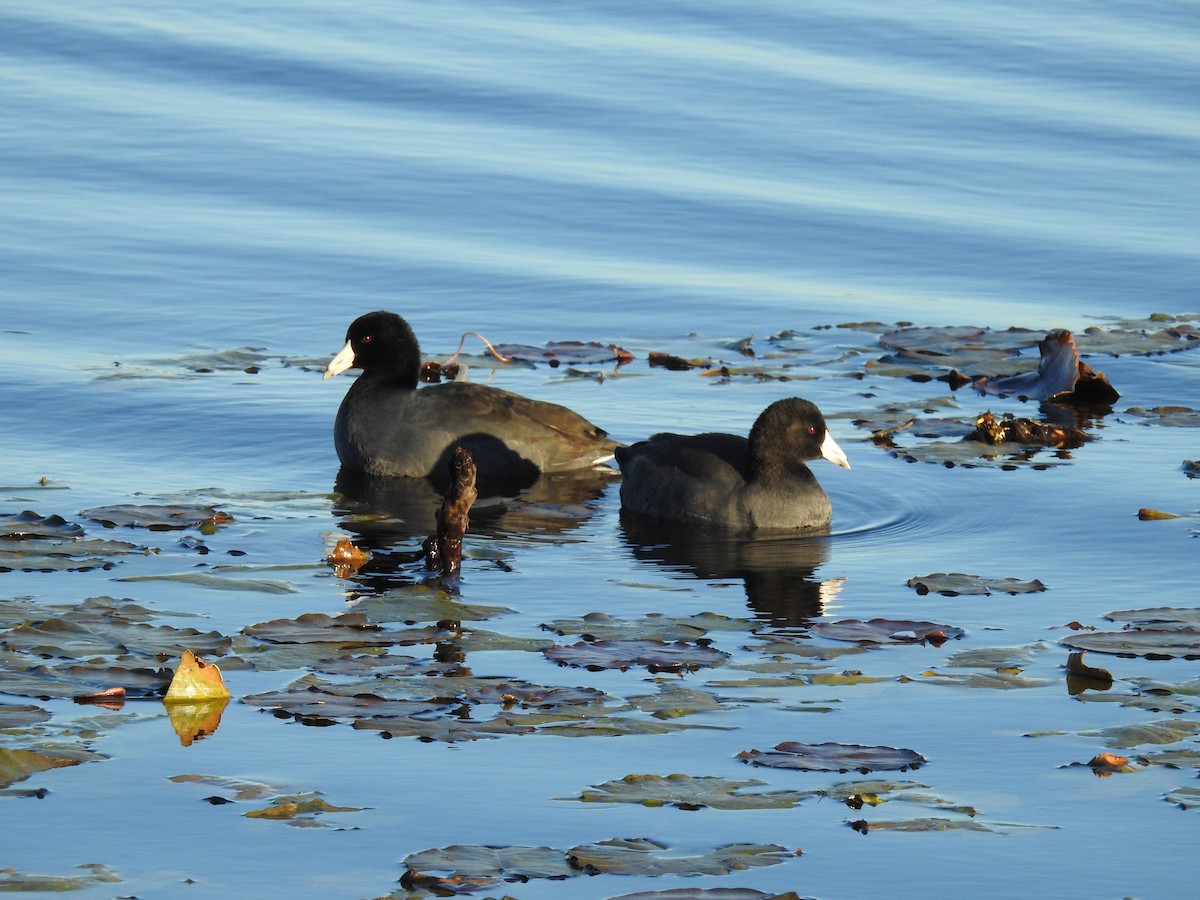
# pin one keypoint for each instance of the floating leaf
(239, 787)
(657, 656)
(156, 517)
(67, 681)
(1007, 658)
(1061, 376)
(998, 680)
(33, 543)
(707, 894)
(463, 868)
(689, 792)
(28, 525)
(92, 875)
(196, 680)
(857, 794)
(598, 626)
(886, 631)
(832, 757)
(927, 824)
(347, 628)
(17, 765)
(298, 808)
(86, 635)
(346, 559)
(1184, 797)
(1172, 416)
(642, 856)
(216, 580)
(1105, 764)
(1149, 515)
(422, 603)
(312, 703)
(14, 717)
(1159, 616)
(954, 583)
(1165, 731)
(1151, 643)
(673, 701)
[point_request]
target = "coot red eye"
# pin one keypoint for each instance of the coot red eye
(366, 339)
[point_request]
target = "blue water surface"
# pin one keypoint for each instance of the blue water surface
(180, 180)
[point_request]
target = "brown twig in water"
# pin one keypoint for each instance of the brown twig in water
(496, 353)
(444, 550)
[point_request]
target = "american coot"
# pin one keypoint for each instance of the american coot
(732, 482)
(387, 426)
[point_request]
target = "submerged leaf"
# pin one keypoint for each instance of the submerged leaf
(462, 868)
(1165, 731)
(954, 583)
(347, 628)
(657, 656)
(642, 856)
(833, 757)
(156, 517)
(92, 875)
(886, 631)
(17, 765)
(1151, 643)
(1184, 797)
(690, 792)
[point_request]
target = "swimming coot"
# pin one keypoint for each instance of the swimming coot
(731, 482)
(387, 426)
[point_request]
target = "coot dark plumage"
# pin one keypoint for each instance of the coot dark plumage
(732, 482)
(387, 426)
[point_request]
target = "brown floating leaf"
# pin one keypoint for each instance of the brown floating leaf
(886, 631)
(1105, 764)
(346, 559)
(109, 698)
(954, 583)
(157, 517)
(1147, 515)
(833, 757)
(196, 680)
(657, 656)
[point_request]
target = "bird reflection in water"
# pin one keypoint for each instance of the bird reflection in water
(779, 570)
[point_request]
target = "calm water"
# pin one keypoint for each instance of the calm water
(181, 180)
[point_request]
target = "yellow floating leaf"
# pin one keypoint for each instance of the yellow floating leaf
(195, 680)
